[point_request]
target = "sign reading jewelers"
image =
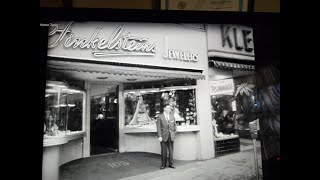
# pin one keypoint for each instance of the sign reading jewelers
(225, 87)
(146, 44)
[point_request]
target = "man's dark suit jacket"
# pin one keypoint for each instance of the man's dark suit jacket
(163, 128)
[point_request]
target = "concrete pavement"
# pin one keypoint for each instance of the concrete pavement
(143, 166)
(237, 166)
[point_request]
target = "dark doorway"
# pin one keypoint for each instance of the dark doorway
(104, 132)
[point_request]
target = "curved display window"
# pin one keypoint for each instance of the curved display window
(64, 110)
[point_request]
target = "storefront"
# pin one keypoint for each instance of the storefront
(234, 101)
(110, 81)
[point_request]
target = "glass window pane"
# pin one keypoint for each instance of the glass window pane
(75, 112)
(142, 107)
(233, 112)
(63, 109)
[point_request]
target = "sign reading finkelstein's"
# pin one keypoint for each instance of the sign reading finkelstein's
(128, 43)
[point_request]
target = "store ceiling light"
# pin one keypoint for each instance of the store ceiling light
(56, 83)
(147, 90)
(131, 80)
(102, 77)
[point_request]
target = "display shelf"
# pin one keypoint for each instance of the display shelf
(75, 135)
(187, 128)
(54, 140)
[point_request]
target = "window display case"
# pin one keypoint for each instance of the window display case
(142, 106)
(64, 110)
(232, 111)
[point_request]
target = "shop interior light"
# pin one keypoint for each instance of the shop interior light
(64, 105)
(102, 77)
(74, 91)
(175, 88)
(147, 90)
(70, 91)
(57, 83)
(131, 80)
(51, 91)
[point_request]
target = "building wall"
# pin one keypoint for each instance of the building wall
(71, 151)
(119, 4)
(142, 142)
(204, 139)
(185, 144)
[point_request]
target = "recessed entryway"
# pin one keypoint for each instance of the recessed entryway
(104, 122)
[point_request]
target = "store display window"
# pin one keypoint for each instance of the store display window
(234, 106)
(142, 106)
(64, 107)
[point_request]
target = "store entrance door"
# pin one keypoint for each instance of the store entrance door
(104, 131)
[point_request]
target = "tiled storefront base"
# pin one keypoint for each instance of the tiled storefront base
(226, 146)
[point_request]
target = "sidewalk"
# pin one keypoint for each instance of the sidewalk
(246, 144)
(145, 166)
(238, 166)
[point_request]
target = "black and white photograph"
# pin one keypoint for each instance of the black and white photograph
(158, 100)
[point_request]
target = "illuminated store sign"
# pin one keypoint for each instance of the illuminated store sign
(130, 45)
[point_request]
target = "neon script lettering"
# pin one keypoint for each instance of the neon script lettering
(117, 41)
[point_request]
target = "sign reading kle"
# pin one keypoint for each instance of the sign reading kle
(225, 87)
(239, 39)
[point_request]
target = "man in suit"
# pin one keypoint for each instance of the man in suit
(166, 128)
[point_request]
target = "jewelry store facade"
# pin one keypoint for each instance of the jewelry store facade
(107, 82)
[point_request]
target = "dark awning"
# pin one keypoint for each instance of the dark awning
(160, 73)
(231, 65)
